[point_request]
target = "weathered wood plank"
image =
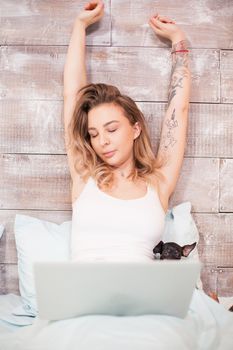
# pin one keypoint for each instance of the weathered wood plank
(34, 72)
(34, 182)
(216, 239)
(218, 280)
(225, 282)
(226, 185)
(141, 73)
(31, 127)
(144, 73)
(9, 281)
(221, 254)
(49, 22)
(198, 180)
(210, 276)
(19, 23)
(26, 183)
(214, 229)
(195, 18)
(226, 66)
(37, 127)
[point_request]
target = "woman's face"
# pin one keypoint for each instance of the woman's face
(111, 131)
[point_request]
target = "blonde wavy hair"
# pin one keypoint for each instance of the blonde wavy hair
(87, 162)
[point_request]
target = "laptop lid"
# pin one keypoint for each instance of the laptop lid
(69, 289)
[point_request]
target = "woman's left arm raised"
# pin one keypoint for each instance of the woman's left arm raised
(174, 128)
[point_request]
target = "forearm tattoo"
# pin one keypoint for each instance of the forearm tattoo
(180, 67)
(180, 70)
(168, 139)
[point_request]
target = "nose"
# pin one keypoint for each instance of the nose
(103, 140)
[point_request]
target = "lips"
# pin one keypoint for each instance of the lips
(109, 154)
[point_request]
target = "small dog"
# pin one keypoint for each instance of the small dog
(172, 250)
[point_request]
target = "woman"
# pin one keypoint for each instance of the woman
(120, 190)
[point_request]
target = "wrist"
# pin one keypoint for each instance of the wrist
(179, 45)
(178, 39)
(79, 24)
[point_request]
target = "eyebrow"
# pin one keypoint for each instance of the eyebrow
(112, 121)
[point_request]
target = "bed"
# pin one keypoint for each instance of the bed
(208, 324)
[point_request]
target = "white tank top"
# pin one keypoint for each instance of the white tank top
(111, 229)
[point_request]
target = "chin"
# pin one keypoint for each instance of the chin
(112, 162)
(107, 161)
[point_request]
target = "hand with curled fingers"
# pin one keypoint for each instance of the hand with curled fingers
(166, 28)
(93, 12)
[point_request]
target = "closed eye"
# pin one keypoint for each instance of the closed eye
(93, 136)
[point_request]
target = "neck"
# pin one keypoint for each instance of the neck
(123, 172)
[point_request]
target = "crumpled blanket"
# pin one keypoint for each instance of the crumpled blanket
(207, 326)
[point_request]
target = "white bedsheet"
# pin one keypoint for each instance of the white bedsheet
(208, 325)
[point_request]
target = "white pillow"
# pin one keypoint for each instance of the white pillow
(37, 240)
(181, 228)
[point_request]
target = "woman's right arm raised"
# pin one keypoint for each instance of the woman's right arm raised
(75, 76)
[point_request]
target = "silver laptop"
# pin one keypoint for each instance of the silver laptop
(69, 289)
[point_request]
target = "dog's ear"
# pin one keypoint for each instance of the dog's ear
(158, 248)
(186, 249)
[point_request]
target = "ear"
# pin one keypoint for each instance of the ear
(186, 249)
(158, 248)
(137, 130)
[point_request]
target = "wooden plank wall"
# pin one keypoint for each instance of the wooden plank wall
(121, 50)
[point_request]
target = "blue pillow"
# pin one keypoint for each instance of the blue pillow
(37, 240)
(180, 227)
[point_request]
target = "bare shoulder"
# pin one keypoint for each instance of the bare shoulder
(77, 187)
